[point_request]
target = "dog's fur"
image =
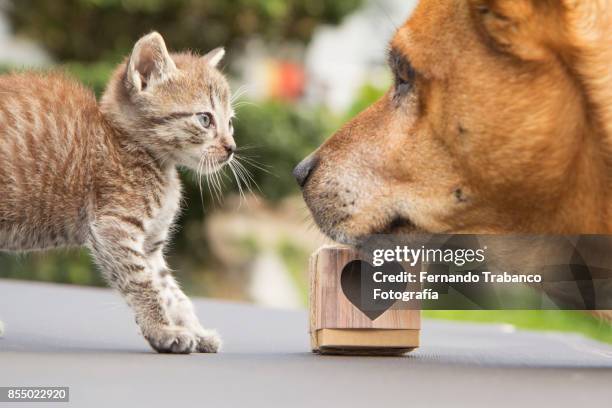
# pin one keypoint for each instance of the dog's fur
(499, 121)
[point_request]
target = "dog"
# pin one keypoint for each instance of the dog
(498, 121)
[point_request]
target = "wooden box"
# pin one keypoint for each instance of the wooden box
(338, 327)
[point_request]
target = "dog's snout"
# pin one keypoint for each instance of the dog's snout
(303, 170)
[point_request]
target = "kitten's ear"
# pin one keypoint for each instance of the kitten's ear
(215, 56)
(150, 63)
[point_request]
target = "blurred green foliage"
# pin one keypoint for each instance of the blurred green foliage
(542, 320)
(90, 37)
(66, 266)
(293, 257)
(91, 30)
(272, 136)
(368, 94)
(94, 75)
(278, 136)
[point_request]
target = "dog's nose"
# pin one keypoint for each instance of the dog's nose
(303, 170)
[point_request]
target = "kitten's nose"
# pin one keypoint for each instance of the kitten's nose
(303, 170)
(230, 148)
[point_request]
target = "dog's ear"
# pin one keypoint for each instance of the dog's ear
(528, 29)
(589, 55)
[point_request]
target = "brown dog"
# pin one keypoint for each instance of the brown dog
(500, 120)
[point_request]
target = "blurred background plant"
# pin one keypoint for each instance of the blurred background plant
(283, 115)
(91, 30)
(303, 67)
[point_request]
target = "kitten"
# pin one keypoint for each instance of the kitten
(77, 173)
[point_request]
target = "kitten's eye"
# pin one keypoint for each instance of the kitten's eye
(231, 125)
(206, 120)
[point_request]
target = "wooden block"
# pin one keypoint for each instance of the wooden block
(338, 327)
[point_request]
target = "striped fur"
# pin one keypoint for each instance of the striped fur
(77, 173)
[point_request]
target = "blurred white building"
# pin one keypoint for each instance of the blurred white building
(15, 51)
(337, 63)
(341, 59)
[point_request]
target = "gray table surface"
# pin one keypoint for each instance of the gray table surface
(85, 338)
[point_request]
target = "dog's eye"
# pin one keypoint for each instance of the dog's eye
(402, 86)
(404, 77)
(206, 120)
(403, 72)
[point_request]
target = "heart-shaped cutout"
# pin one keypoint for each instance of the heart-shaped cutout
(358, 284)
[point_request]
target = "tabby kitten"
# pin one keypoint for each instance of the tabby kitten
(77, 173)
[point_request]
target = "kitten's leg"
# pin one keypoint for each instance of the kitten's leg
(180, 308)
(118, 247)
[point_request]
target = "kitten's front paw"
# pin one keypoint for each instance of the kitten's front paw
(208, 341)
(168, 339)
